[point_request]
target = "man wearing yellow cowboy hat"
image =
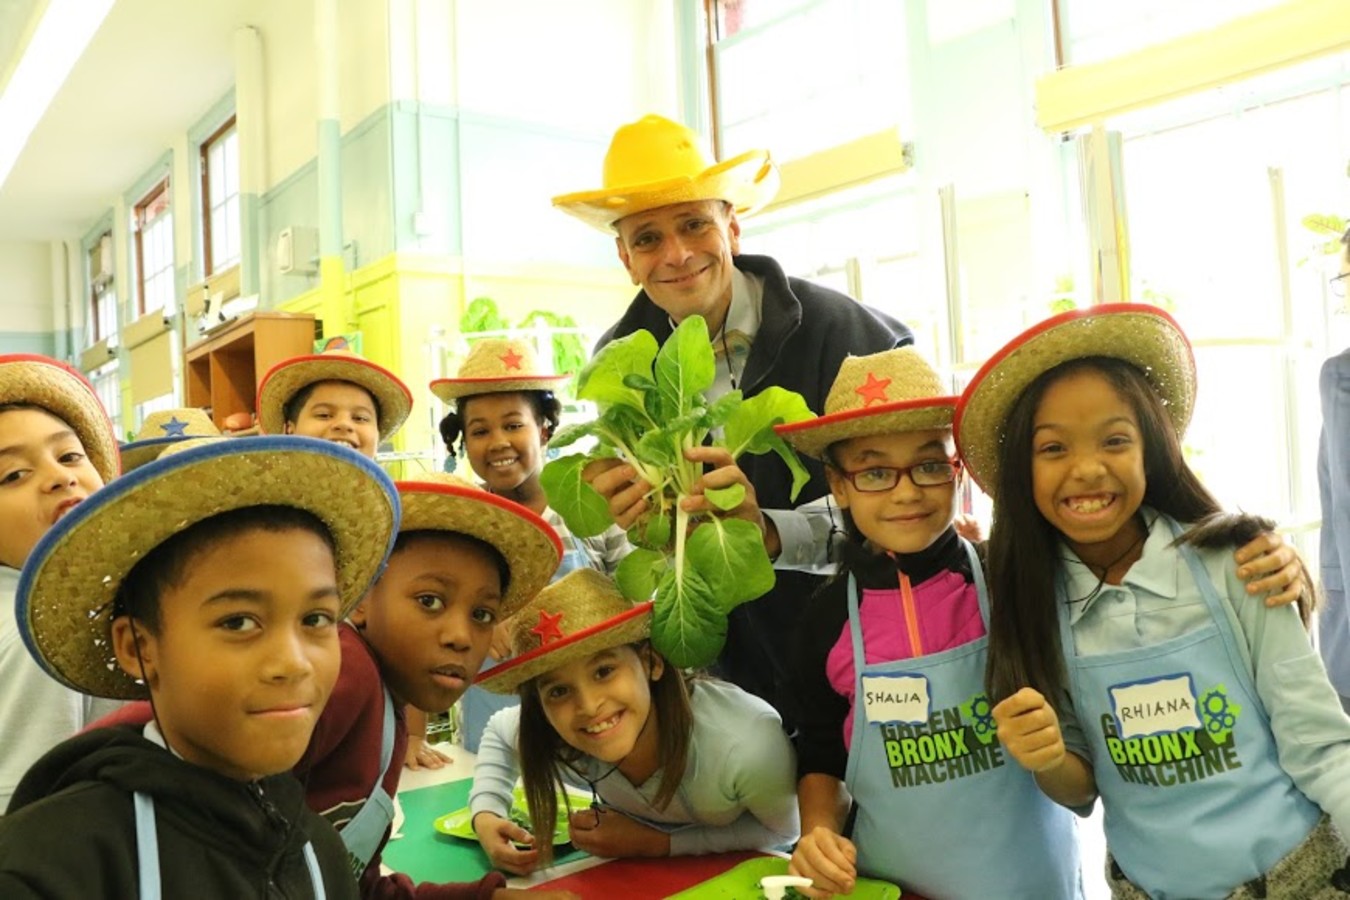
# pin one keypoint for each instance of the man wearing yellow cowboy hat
(674, 217)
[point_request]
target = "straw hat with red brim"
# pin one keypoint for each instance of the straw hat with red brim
(29, 379)
(1136, 333)
(573, 618)
(497, 366)
(883, 393)
(290, 376)
(440, 502)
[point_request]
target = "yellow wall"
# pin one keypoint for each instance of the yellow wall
(399, 302)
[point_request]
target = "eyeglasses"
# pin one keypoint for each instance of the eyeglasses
(1338, 284)
(930, 473)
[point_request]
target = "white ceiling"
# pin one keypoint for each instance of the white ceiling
(153, 69)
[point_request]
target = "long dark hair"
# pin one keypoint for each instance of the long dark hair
(547, 413)
(1024, 647)
(543, 752)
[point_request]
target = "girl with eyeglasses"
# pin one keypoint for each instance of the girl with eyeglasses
(891, 668)
(675, 765)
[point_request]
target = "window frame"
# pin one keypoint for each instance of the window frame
(162, 187)
(204, 159)
(98, 291)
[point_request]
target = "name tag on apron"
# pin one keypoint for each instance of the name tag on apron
(896, 698)
(1155, 706)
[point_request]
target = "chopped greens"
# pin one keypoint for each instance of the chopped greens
(652, 408)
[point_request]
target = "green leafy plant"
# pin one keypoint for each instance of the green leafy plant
(651, 409)
(1328, 226)
(482, 315)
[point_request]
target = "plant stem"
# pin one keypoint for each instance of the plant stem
(681, 525)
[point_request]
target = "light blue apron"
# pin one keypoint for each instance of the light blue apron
(147, 852)
(942, 810)
(1196, 803)
(364, 831)
(476, 705)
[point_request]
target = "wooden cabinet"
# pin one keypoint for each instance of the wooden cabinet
(223, 371)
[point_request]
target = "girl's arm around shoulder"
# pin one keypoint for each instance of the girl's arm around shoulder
(1311, 731)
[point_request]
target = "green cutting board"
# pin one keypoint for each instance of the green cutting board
(742, 883)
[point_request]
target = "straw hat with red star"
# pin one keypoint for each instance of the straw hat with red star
(497, 366)
(884, 393)
(573, 618)
(1137, 333)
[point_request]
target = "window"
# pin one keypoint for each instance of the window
(798, 76)
(1216, 186)
(109, 389)
(102, 290)
(220, 198)
(153, 226)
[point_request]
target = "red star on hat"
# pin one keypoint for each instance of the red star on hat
(511, 359)
(874, 391)
(549, 628)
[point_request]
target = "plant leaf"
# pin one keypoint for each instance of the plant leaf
(726, 498)
(570, 434)
(482, 315)
(1322, 223)
(654, 448)
(750, 429)
(638, 573)
(580, 505)
(653, 530)
(751, 424)
(729, 554)
(684, 368)
(688, 628)
(603, 379)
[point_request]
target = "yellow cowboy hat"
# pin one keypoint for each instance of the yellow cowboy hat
(655, 162)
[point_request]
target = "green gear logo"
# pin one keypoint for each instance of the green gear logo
(1219, 713)
(979, 712)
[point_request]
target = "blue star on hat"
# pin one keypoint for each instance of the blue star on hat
(174, 428)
